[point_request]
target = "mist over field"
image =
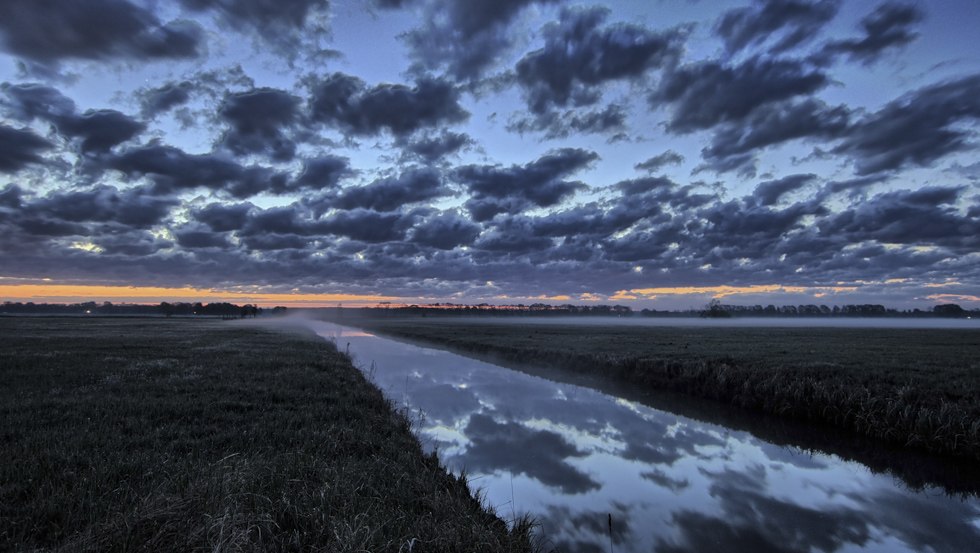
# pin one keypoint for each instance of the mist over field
(732, 322)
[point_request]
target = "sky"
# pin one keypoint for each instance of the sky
(640, 152)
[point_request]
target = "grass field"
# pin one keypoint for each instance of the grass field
(917, 388)
(184, 435)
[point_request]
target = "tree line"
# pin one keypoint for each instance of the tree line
(167, 309)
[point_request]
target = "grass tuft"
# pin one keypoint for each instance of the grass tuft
(183, 435)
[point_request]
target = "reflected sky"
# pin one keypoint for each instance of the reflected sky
(571, 457)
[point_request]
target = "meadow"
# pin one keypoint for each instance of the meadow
(182, 435)
(918, 388)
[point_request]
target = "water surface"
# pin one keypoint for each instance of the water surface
(572, 457)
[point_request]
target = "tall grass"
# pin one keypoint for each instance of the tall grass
(918, 389)
(157, 435)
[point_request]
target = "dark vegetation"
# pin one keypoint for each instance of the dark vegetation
(916, 388)
(191, 435)
(715, 308)
(217, 309)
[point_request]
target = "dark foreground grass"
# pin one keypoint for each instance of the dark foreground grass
(916, 388)
(159, 435)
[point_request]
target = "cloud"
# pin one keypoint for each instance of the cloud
(579, 56)
(557, 124)
(172, 169)
(323, 173)
(346, 102)
(540, 454)
(495, 189)
(752, 520)
(280, 23)
(195, 238)
(512, 236)
(96, 130)
(223, 217)
(28, 101)
(888, 27)
(100, 130)
(257, 119)
(706, 94)
(49, 31)
(413, 185)
(653, 164)
(769, 192)
(464, 38)
(919, 217)
(431, 148)
(20, 148)
(51, 231)
(783, 23)
(445, 231)
(734, 145)
(369, 226)
(161, 99)
(917, 130)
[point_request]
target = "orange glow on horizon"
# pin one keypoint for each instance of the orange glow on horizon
(953, 297)
(77, 293)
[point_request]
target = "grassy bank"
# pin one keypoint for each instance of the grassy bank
(916, 388)
(160, 435)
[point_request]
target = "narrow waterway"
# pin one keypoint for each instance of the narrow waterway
(576, 458)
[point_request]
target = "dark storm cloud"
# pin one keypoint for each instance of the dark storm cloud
(854, 186)
(112, 219)
(192, 237)
(277, 22)
(539, 454)
(924, 216)
(557, 124)
(323, 173)
(257, 119)
(133, 207)
(431, 148)
(740, 229)
(446, 231)
(464, 37)
(96, 130)
(20, 148)
(346, 102)
(388, 194)
(706, 94)
(11, 196)
(580, 55)
(653, 164)
(278, 220)
(99, 130)
(495, 189)
(223, 217)
(271, 241)
(369, 226)
(918, 129)
(392, 4)
(733, 145)
(130, 243)
(512, 236)
(172, 169)
(29, 101)
(154, 101)
(769, 192)
(889, 26)
(784, 23)
(47, 31)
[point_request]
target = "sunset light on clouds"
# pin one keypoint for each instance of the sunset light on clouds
(657, 154)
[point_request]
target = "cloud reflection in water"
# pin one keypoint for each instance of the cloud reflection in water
(572, 456)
